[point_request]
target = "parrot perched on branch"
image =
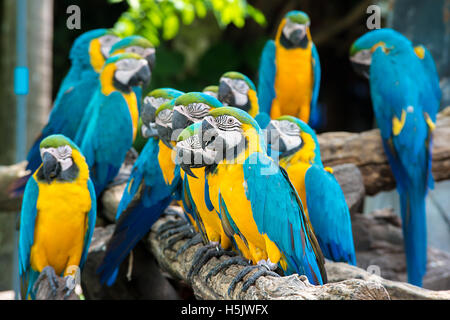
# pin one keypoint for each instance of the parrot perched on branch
(113, 124)
(289, 72)
(294, 144)
(404, 87)
(258, 206)
(87, 55)
(58, 216)
(153, 184)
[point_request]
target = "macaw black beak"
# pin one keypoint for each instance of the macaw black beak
(141, 77)
(299, 39)
(209, 132)
(179, 120)
(148, 113)
(186, 160)
(164, 134)
(51, 167)
(225, 94)
(361, 68)
(151, 58)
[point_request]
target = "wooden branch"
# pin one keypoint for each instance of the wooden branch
(366, 151)
(291, 287)
(345, 281)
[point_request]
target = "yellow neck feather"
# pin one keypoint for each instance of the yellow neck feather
(306, 154)
(96, 56)
(254, 110)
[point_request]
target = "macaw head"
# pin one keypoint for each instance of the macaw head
(136, 44)
(150, 104)
(237, 90)
(288, 135)
(61, 159)
(293, 31)
(124, 71)
(212, 91)
(363, 48)
(192, 107)
(189, 149)
(163, 122)
(91, 49)
(230, 134)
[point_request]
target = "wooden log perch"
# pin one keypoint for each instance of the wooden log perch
(291, 287)
(345, 281)
(366, 151)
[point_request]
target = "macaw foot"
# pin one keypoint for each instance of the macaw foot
(264, 268)
(184, 232)
(236, 260)
(69, 286)
(204, 254)
(186, 228)
(169, 225)
(49, 273)
(196, 239)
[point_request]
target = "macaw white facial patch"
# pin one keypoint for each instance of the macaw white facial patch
(143, 52)
(164, 118)
(106, 43)
(127, 68)
(290, 27)
(62, 154)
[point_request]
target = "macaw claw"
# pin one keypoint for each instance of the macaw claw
(262, 270)
(49, 273)
(196, 239)
(183, 233)
(169, 225)
(236, 260)
(204, 254)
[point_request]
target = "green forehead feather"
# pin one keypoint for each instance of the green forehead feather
(121, 56)
(166, 93)
(211, 89)
(190, 131)
(166, 105)
(238, 75)
(131, 41)
(57, 140)
(198, 97)
(297, 16)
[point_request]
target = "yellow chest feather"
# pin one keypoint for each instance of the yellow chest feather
(293, 80)
(60, 224)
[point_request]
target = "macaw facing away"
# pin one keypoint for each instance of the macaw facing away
(112, 126)
(87, 55)
(212, 91)
(237, 90)
(322, 197)
(153, 184)
(58, 215)
(151, 103)
(405, 95)
(258, 206)
(289, 71)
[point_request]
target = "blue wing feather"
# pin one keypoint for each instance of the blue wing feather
(108, 137)
(329, 215)
(270, 192)
(316, 119)
(145, 198)
(266, 83)
(26, 238)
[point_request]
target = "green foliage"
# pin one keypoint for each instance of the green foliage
(155, 18)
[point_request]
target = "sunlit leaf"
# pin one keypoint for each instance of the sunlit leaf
(170, 27)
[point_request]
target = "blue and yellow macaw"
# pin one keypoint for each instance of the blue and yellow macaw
(405, 95)
(151, 102)
(153, 184)
(113, 124)
(88, 53)
(297, 150)
(289, 71)
(58, 215)
(258, 206)
(192, 108)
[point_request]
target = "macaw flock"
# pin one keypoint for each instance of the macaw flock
(242, 161)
